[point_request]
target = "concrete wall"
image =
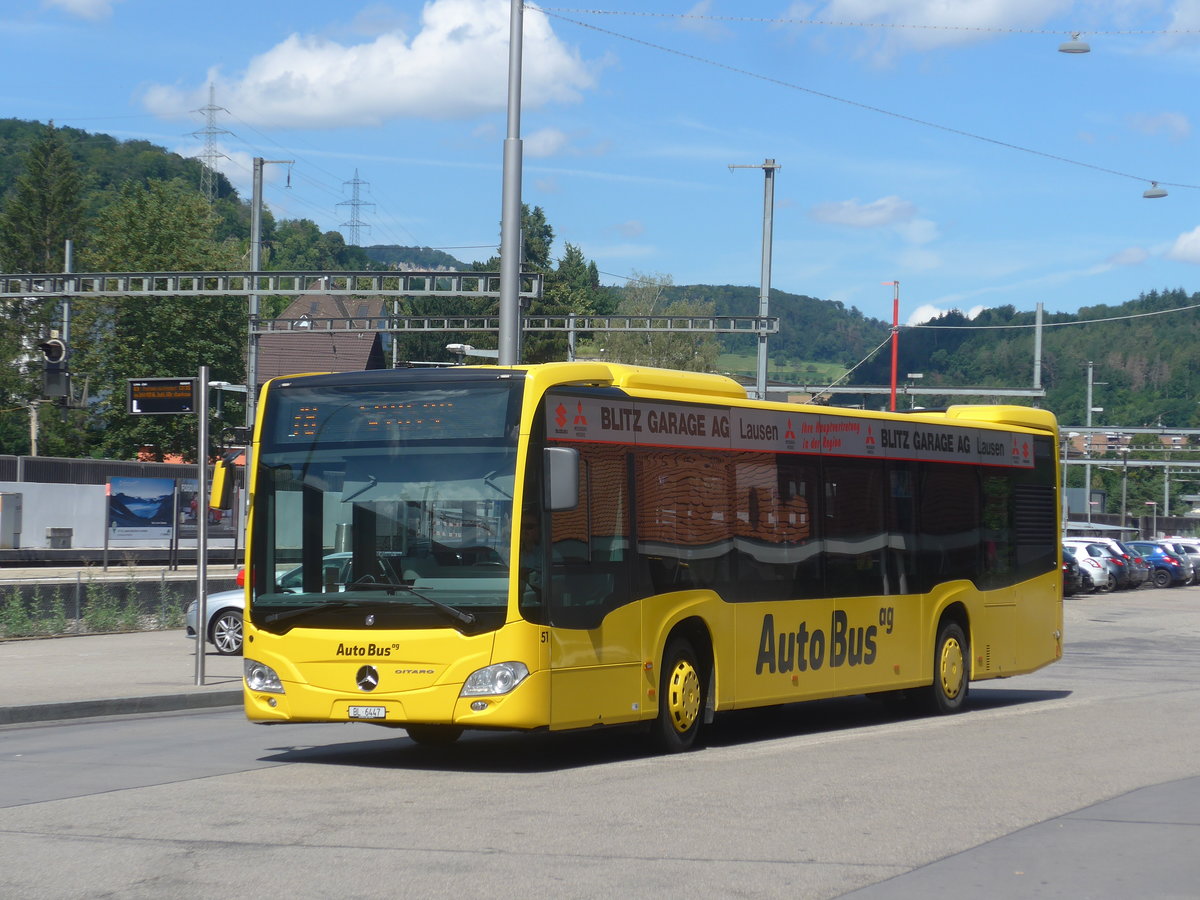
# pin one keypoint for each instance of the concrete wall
(81, 507)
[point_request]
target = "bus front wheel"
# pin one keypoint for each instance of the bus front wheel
(951, 670)
(680, 698)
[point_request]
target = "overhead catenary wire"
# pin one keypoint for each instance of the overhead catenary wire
(925, 123)
(829, 23)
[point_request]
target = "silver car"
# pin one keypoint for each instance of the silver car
(1093, 573)
(224, 612)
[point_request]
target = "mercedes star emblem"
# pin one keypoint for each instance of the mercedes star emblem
(367, 678)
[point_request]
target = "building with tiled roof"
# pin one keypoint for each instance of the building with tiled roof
(321, 350)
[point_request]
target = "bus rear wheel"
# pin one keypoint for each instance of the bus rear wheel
(680, 699)
(951, 670)
(434, 735)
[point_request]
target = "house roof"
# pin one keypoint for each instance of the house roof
(320, 350)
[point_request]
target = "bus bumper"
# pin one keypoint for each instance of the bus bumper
(525, 707)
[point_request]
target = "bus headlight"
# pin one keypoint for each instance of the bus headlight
(261, 678)
(495, 679)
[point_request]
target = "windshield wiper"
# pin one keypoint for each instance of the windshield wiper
(391, 587)
(305, 610)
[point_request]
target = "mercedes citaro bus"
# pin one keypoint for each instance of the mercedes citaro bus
(569, 545)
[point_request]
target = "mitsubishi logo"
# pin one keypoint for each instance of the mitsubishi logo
(367, 678)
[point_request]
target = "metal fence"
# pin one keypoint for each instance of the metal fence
(57, 470)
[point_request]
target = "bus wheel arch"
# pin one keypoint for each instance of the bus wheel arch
(951, 663)
(685, 686)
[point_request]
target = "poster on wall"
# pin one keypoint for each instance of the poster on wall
(140, 507)
(221, 522)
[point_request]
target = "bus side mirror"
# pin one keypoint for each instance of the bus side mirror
(222, 485)
(561, 466)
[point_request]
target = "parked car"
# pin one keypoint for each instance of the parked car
(1142, 564)
(1190, 549)
(1128, 573)
(1170, 568)
(1072, 578)
(1113, 560)
(224, 612)
(1093, 569)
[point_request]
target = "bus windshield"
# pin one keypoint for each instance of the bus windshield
(387, 505)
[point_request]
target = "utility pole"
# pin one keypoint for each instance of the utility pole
(1087, 469)
(1037, 348)
(895, 285)
(510, 202)
(764, 291)
(255, 267)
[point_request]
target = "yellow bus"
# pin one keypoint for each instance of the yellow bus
(568, 545)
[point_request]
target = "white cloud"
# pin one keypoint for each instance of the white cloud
(884, 211)
(1130, 256)
(93, 10)
(1174, 125)
(918, 231)
(937, 23)
(929, 311)
(1186, 247)
(546, 142)
(631, 229)
(456, 66)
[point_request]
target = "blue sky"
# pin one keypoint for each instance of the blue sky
(945, 145)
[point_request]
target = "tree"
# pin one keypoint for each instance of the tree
(299, 245)
(645, 296)
(570, 289)
(43, 210)
(158, 227)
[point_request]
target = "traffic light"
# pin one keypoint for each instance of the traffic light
(56, 380)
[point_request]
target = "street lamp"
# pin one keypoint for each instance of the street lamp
(1153, 518)
(1074, 45)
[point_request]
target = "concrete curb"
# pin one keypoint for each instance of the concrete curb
(80, 709)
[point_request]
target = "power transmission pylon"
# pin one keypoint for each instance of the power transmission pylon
(208, 159)
(354, 203)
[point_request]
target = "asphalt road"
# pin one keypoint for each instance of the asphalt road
(1081, 780)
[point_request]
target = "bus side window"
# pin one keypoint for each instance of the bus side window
(589, 543)
(854, 533)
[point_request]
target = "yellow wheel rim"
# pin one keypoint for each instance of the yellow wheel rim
(951, 668)
(683, 696)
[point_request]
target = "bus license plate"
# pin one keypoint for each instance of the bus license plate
(368, 712)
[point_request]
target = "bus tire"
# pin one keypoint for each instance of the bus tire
(951, 670)
(433, 735)
(680, 698)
